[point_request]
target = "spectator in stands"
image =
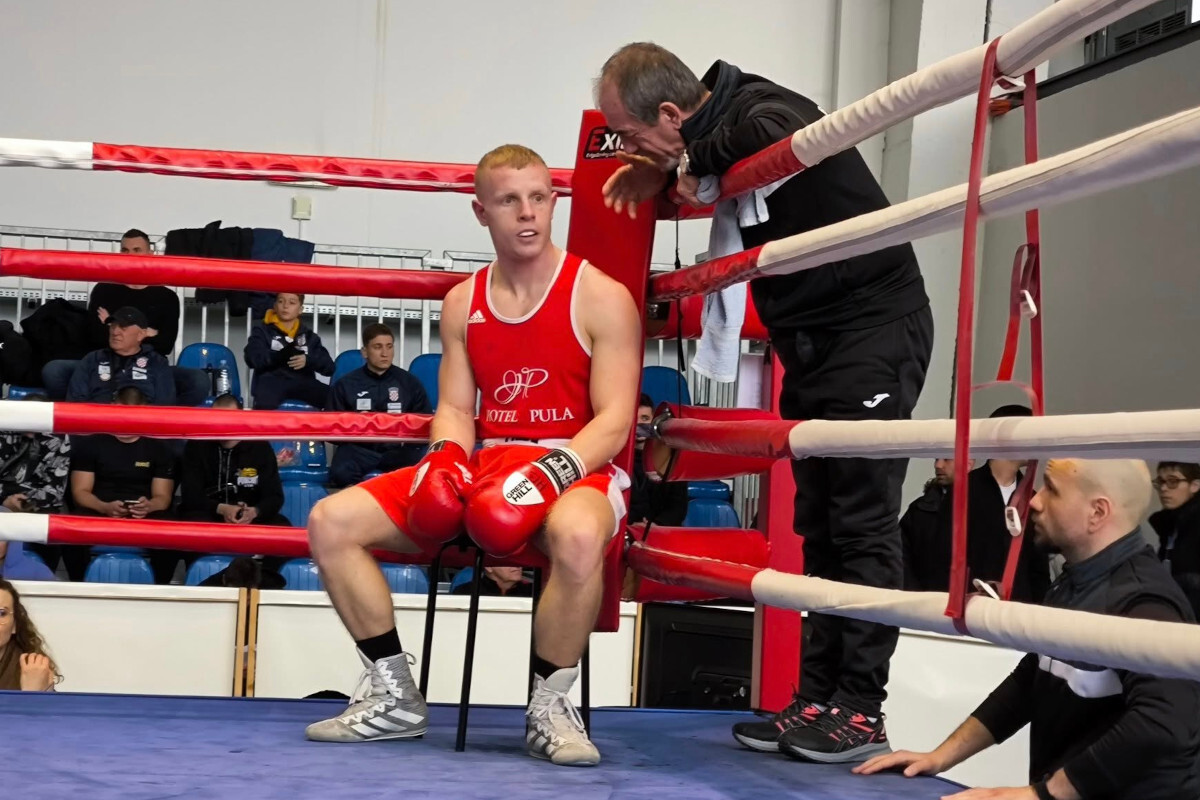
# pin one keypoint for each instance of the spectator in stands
(500, 582)
(927, 535)
(231, 481)
(925, 532)
(159, 305)
(383, 387)
(286, 357)
(128, 360)
(128, 477)
(1178, 524)
(25, 664)
(650, 501)
(33, 469)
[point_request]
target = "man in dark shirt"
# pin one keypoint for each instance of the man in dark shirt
(1177, 524)
(657, 503)
(160, 306)
(382, 387)
(128, 360)
(927, 528)
(128, 477)
(854, 338)
(1094, 732)
(500, 582)
(231, 481)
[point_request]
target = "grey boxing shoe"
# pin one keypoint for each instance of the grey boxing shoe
(386, 705)
(553, 728)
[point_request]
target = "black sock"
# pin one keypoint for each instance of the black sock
(543, 668)
(385, 645)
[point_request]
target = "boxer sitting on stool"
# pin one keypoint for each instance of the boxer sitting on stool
(554, 348)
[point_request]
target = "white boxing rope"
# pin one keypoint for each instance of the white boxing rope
(1166, 649)
(1021, 49)
(23, 527)
(45, 153)
(1169, 435)
(1157, 148)
(28, 416)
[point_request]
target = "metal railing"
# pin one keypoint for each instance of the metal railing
(339, 320)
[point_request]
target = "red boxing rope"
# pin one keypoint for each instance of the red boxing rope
(232, 423)
(215, 273)
(372, 173)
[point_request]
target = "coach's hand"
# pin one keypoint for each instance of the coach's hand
(505, 510)
(637, 180)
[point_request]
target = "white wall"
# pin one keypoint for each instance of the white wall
(1119, 276)
(429, 81)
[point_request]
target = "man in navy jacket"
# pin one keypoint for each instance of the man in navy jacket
(378, 386)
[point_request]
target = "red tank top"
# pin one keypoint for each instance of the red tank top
(533, 373)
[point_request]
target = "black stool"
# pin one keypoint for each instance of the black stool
(464, 707)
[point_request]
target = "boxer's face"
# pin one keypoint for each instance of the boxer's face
(517, 208)
(661, 142)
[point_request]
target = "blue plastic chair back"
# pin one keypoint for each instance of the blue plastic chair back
(347, 361)
(298, 500)
(21, 392)
(425, 369)
(119, 568)
(300, 574)
(665, 385)
(705, 513)
(711, 490)
(205, 567)
(217, 356)
(462, 577)
(405, 579)
(301, 461)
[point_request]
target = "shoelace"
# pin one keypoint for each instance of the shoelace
(371, 682)
(794, 708)
(544, 708)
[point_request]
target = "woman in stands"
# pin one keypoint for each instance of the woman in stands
(24, 663)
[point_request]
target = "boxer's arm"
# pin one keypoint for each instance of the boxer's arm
(610, 320)
(454, 417)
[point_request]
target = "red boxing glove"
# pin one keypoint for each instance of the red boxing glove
(504, 511)
(435, 511)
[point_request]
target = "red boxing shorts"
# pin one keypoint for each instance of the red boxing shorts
(391, 490)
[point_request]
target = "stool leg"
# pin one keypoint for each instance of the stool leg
(537, 595)
(464, 705)
(585, 689)
(435, 569)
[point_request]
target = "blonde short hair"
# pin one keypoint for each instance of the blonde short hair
(515, 156)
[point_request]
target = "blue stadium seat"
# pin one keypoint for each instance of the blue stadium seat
(347, 361)
(217, 356)
(425, 369)
(461, 578)
(205, 567)
(370, 475)
(404, 579)
(301, 461)
(119, 568)
(295, 405)
(101, 549)
(711, 490)
(300, 574)
(665, 385)
(298, 500)
(705, 513)
(21, 392)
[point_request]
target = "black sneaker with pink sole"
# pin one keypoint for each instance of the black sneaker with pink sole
(837, 736)
(763, 735)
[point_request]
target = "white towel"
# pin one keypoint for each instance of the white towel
(720, 350)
